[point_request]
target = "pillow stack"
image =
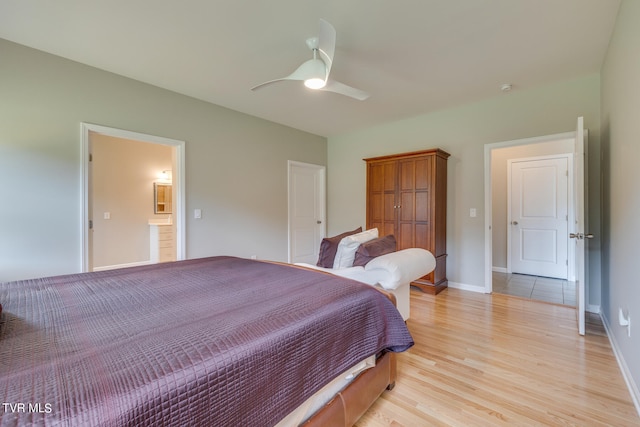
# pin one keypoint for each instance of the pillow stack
(348, 246)
(329, 247)
(354, 248)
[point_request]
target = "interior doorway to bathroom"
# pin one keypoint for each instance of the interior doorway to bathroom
(133, 189)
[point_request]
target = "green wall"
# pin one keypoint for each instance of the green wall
(236, 165)
(463, 132)
(621, 176)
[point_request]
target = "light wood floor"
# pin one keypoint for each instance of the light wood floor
(491, 360)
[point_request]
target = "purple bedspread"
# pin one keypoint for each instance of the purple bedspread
(217, 341)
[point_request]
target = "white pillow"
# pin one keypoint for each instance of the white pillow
(348, 246)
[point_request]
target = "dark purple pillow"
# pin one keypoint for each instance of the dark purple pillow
(374, 248)
(329, 247)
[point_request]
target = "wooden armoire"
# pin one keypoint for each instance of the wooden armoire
(407, 197)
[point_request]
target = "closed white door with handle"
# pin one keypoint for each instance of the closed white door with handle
(538, 226)
(306, 211)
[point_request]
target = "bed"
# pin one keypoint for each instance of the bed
(214, 341)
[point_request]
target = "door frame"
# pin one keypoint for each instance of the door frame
(178, 177)
(570, 208)
(488, 196)
(322, 202)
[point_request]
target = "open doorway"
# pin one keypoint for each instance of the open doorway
(505, 238)
(119, 217)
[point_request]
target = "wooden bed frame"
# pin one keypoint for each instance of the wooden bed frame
(351, 403)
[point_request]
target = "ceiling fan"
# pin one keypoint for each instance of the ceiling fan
(315, 72)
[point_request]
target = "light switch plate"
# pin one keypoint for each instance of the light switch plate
(197, 213)
(473, 213)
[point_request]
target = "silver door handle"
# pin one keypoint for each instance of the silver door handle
(514, 222)
(318, 222)
(580, 236)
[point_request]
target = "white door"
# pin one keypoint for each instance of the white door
(578, 234)
(306, 211)
(538, 217)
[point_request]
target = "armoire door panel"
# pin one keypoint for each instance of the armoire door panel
(422, 208)
(376, 178)
(404, 236)
(389, 207)
(386, 229)
(375, 224)
(389, 176)
(423, 174)
(422, 236)
(407, 209)
(407, 175)
(376, 207)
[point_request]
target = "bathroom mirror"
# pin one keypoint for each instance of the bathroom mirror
(161, 198)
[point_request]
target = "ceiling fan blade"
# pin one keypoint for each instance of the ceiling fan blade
(309, 69)
(343, 89)
(327, 43)
(261, 85)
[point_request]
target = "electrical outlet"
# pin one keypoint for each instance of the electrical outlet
(197, 213)
(107, 215)
(624, 321)
(473, 213)
(628, 325)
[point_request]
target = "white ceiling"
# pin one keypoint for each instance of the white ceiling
(413, 56)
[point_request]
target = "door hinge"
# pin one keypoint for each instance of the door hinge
(566, 262)
(90, 157)
(90, 224)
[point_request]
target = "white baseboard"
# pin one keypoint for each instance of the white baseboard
(465, 287)
(595, 309)
(113, 267)
(499, 269)
(626, 374)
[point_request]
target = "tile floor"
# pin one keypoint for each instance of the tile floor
(539, 288)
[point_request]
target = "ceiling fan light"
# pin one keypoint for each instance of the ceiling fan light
(315, 83)
(316, 73)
